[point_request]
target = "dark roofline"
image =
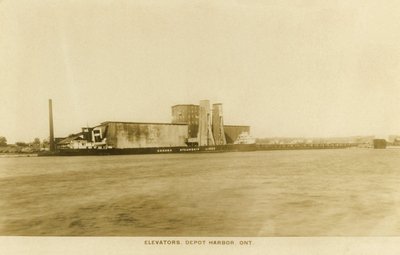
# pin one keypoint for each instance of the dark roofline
(148, 123)
(185, 105)
(236, 125)
(71, 138)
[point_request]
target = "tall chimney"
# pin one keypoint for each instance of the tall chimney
(52, 147)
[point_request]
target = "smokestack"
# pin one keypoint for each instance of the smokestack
(52, 147)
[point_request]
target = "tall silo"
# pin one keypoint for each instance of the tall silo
(205, 136)
(218, 125)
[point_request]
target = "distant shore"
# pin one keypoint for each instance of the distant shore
(18, 151)
(19, 155)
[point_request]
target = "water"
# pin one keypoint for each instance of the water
(266, 193)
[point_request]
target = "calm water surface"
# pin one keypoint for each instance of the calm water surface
(268, 193)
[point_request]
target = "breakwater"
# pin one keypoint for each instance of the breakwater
(266, 147)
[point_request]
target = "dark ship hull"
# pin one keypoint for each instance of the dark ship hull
(151, 150)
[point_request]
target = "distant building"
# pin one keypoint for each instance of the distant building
(380, 143)
(394, 139)
(76, 141)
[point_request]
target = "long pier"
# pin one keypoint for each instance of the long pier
(267, 147)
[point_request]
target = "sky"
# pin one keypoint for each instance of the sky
(285, 67)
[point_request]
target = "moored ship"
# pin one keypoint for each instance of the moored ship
(194, 129)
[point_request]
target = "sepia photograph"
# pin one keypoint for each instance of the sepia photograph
(199, 123)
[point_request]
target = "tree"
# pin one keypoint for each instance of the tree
(45, 143)
(36, 141)
(36, 144)
(21, 144)
(3, 141)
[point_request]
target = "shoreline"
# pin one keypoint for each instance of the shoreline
(17, 155)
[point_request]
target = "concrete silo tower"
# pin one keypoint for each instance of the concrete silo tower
(218, 125)
(205, 136)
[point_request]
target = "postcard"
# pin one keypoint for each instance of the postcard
(199, 127)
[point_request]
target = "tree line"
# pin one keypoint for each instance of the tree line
(36, 143)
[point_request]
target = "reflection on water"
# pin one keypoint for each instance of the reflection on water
(270, 193)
